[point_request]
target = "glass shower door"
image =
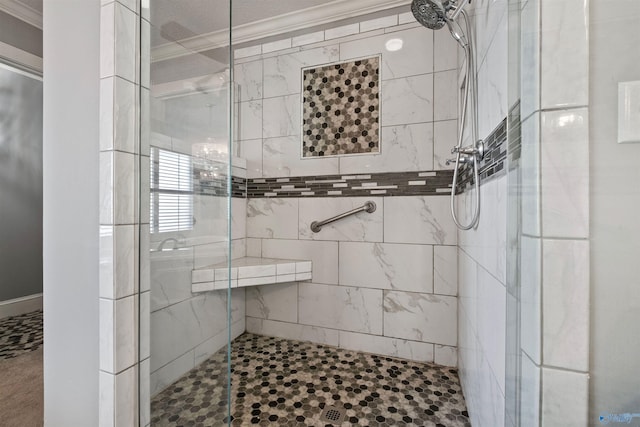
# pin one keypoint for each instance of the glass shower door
(574, 304)
(185, 204)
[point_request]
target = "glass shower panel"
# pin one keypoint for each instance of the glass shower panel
(575, 142)
(185, 166)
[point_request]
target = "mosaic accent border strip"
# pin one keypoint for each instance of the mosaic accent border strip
(515, 135)
(341, 108)
(427, 183)
(493, 163)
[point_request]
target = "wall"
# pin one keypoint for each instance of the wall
(615, 306)
(554, 250)
(20, 186)
(384, 282)
(21, 176)
(71, 214)
(187, 328)
(482, 250)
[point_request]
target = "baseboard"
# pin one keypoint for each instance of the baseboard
(14, 307)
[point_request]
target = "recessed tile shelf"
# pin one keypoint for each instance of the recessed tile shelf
(250, 271)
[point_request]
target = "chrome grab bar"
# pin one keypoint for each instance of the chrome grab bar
(368, 207)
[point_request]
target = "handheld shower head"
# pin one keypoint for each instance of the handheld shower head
(430, 13)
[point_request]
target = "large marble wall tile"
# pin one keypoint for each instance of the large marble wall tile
(324, 256)
(564, 59)
(565, 293)
(281, 117)
(530, 58)
(209, 254)
(144, 325)
(145, 392)
(165, 376)
(387, 266)
(445, 137)
(530, 297)
(530, 175)
(281, 157)
(445, 55)
(445, 99)
(491, 324)
(250, 120)
(273, 302)
(292, 331)
(210, 213)
(565, 173)
(487, 16)
(407, 100)
(272, 218)
(486, 243)
(340, 307)
(415, 57)
(491, 404)
(445, 270)
(118, 337)
(170, 277)
(492, 82)
(404, 349)
(182, 326)
(424, 219)
(251, 151)
(238, 218)
(446, 355)
(254, 247)
(217, 342)
(117, 274)
(467, 280)
(529, 393)
(248, 76)
(564, 393)
(403, 148)
(420, 317)
(362, 226)
(283, 75)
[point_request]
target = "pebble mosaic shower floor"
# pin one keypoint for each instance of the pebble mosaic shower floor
(278, 382)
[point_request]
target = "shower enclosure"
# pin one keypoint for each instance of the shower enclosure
(534, 306)
(185, 195)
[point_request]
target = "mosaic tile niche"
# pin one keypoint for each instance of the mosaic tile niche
(341, 109)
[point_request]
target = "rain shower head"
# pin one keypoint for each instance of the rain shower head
(430, 13)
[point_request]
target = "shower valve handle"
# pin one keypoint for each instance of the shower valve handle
(472, 150)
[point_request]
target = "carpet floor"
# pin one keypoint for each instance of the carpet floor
(21, 390)
(21, 381)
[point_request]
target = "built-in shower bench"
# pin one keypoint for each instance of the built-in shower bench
(249, 271)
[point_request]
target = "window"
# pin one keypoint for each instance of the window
(171, 191)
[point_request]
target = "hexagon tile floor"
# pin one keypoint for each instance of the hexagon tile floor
(278, 382)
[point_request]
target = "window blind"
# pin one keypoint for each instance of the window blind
(171, 191)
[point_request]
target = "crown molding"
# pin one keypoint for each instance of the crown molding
(332, 11)
(22, 12)
(21, 59)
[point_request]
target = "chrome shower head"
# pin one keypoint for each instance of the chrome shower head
(431, 13)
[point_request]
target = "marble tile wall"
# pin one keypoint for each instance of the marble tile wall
(376, 286)
(197, 323)
(555, 247)
(119, 220)
(419, 105)
(482, 251)
(384, 282)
